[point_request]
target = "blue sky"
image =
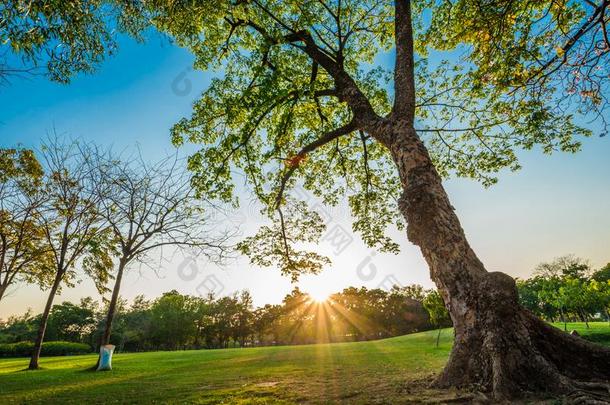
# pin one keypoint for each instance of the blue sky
(555, 205)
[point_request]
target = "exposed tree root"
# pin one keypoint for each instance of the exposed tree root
(589, 393)
(510, 353)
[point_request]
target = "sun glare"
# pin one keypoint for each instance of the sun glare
(319, 296)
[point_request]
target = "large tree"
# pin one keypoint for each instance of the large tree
(302, 97)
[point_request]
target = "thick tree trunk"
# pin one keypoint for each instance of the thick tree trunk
(499, 347)
(42, 327)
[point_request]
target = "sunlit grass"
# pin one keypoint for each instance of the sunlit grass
(392, 370)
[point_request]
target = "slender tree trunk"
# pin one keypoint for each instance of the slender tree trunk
(42, 327)
(438, 336)
(196, 342)
(2, 291)
(585, 317)
(499, 346)
(112, 305)
(105, 340)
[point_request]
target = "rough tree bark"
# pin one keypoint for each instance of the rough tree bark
(499, 346)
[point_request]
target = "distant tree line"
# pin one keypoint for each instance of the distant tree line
(567, 290)
(176, 321)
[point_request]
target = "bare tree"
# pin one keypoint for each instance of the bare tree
(564, 266)
(70, 218)
(148, 207)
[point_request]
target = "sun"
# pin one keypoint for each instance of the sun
(319, 296)
(318, 287)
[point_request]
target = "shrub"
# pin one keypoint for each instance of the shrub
(64, 348)
(7, 350)
(24, 349)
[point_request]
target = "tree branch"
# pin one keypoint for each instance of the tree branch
(296, 160)
(584, 28)
(404, 82)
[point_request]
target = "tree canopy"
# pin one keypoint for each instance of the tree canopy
(295, 79)
(565, 289)
(23, 253)
(62, 38)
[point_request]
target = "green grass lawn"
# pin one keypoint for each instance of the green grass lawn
(391, 371)
(598, 332)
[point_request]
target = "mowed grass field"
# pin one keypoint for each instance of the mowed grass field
(389, 371)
